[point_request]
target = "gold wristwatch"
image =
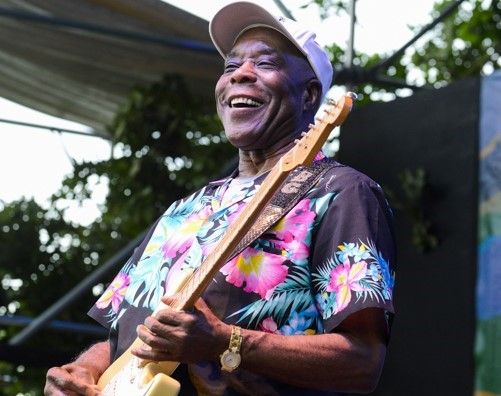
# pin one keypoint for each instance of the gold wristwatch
(230, 359)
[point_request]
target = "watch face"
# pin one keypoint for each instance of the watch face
(230, 360)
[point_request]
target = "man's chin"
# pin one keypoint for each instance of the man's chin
(244, 144)
(243, 137)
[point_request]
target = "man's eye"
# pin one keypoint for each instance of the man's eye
(229, 67)
(267, 65)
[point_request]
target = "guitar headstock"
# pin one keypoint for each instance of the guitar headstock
(312, 141)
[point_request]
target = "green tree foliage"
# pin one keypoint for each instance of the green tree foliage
(42, 256)
(466, 44)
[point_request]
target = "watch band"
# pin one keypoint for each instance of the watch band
(235, 339)
(230, 359)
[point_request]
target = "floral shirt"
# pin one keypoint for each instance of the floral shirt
(330, 256)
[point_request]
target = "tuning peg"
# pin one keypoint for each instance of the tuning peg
(311, 126)
(303, 134)
(331, 102)
(352, 95)
(296, 141)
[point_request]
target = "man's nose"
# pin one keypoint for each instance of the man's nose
(244, 73)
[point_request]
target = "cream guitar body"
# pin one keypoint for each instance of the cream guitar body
(129, 376)
(136, 379)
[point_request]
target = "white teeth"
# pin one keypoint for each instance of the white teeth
(244, 101)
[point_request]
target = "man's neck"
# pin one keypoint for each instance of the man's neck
(256, 162)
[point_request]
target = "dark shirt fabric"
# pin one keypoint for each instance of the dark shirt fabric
(332, 255)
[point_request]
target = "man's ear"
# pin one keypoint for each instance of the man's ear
(312, 95)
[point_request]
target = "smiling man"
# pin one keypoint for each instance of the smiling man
(305, 309)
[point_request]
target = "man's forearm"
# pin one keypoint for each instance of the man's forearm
(96, 359)
(328, 361)
(80, 376)
(347, 360)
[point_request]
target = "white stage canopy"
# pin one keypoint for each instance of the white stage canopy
(78, 59)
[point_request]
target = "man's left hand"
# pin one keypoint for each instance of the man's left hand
(182, 336)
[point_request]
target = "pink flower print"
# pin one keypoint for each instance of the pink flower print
(174, 245)
(176, 275)
(260, 271)
(293, 250)
(268, 325)
(182, 238)
(295, 225)
(115, 292)
(319, 156)
(234, 211)
(345, 278)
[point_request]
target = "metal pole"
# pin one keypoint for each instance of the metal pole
(284, 9)
(58, 325)
(56, 129)
(172, 42)
(80, 289)
(351, 42)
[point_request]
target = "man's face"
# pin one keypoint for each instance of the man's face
(261, 96)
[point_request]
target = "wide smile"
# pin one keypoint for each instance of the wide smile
(242, 102)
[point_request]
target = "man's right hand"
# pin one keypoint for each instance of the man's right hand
(81, 376)
(69, 380)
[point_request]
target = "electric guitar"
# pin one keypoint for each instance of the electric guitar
(128, 375)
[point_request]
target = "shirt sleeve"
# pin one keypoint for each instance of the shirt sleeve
(106, 309)
(354, 252)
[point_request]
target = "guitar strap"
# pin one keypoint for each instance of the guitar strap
(296, 185)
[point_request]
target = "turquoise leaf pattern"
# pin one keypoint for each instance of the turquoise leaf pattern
(294, 294)
(357, 272)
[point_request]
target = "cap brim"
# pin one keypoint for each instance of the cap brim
(225, 27)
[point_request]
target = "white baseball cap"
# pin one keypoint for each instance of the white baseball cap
(236, 18)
